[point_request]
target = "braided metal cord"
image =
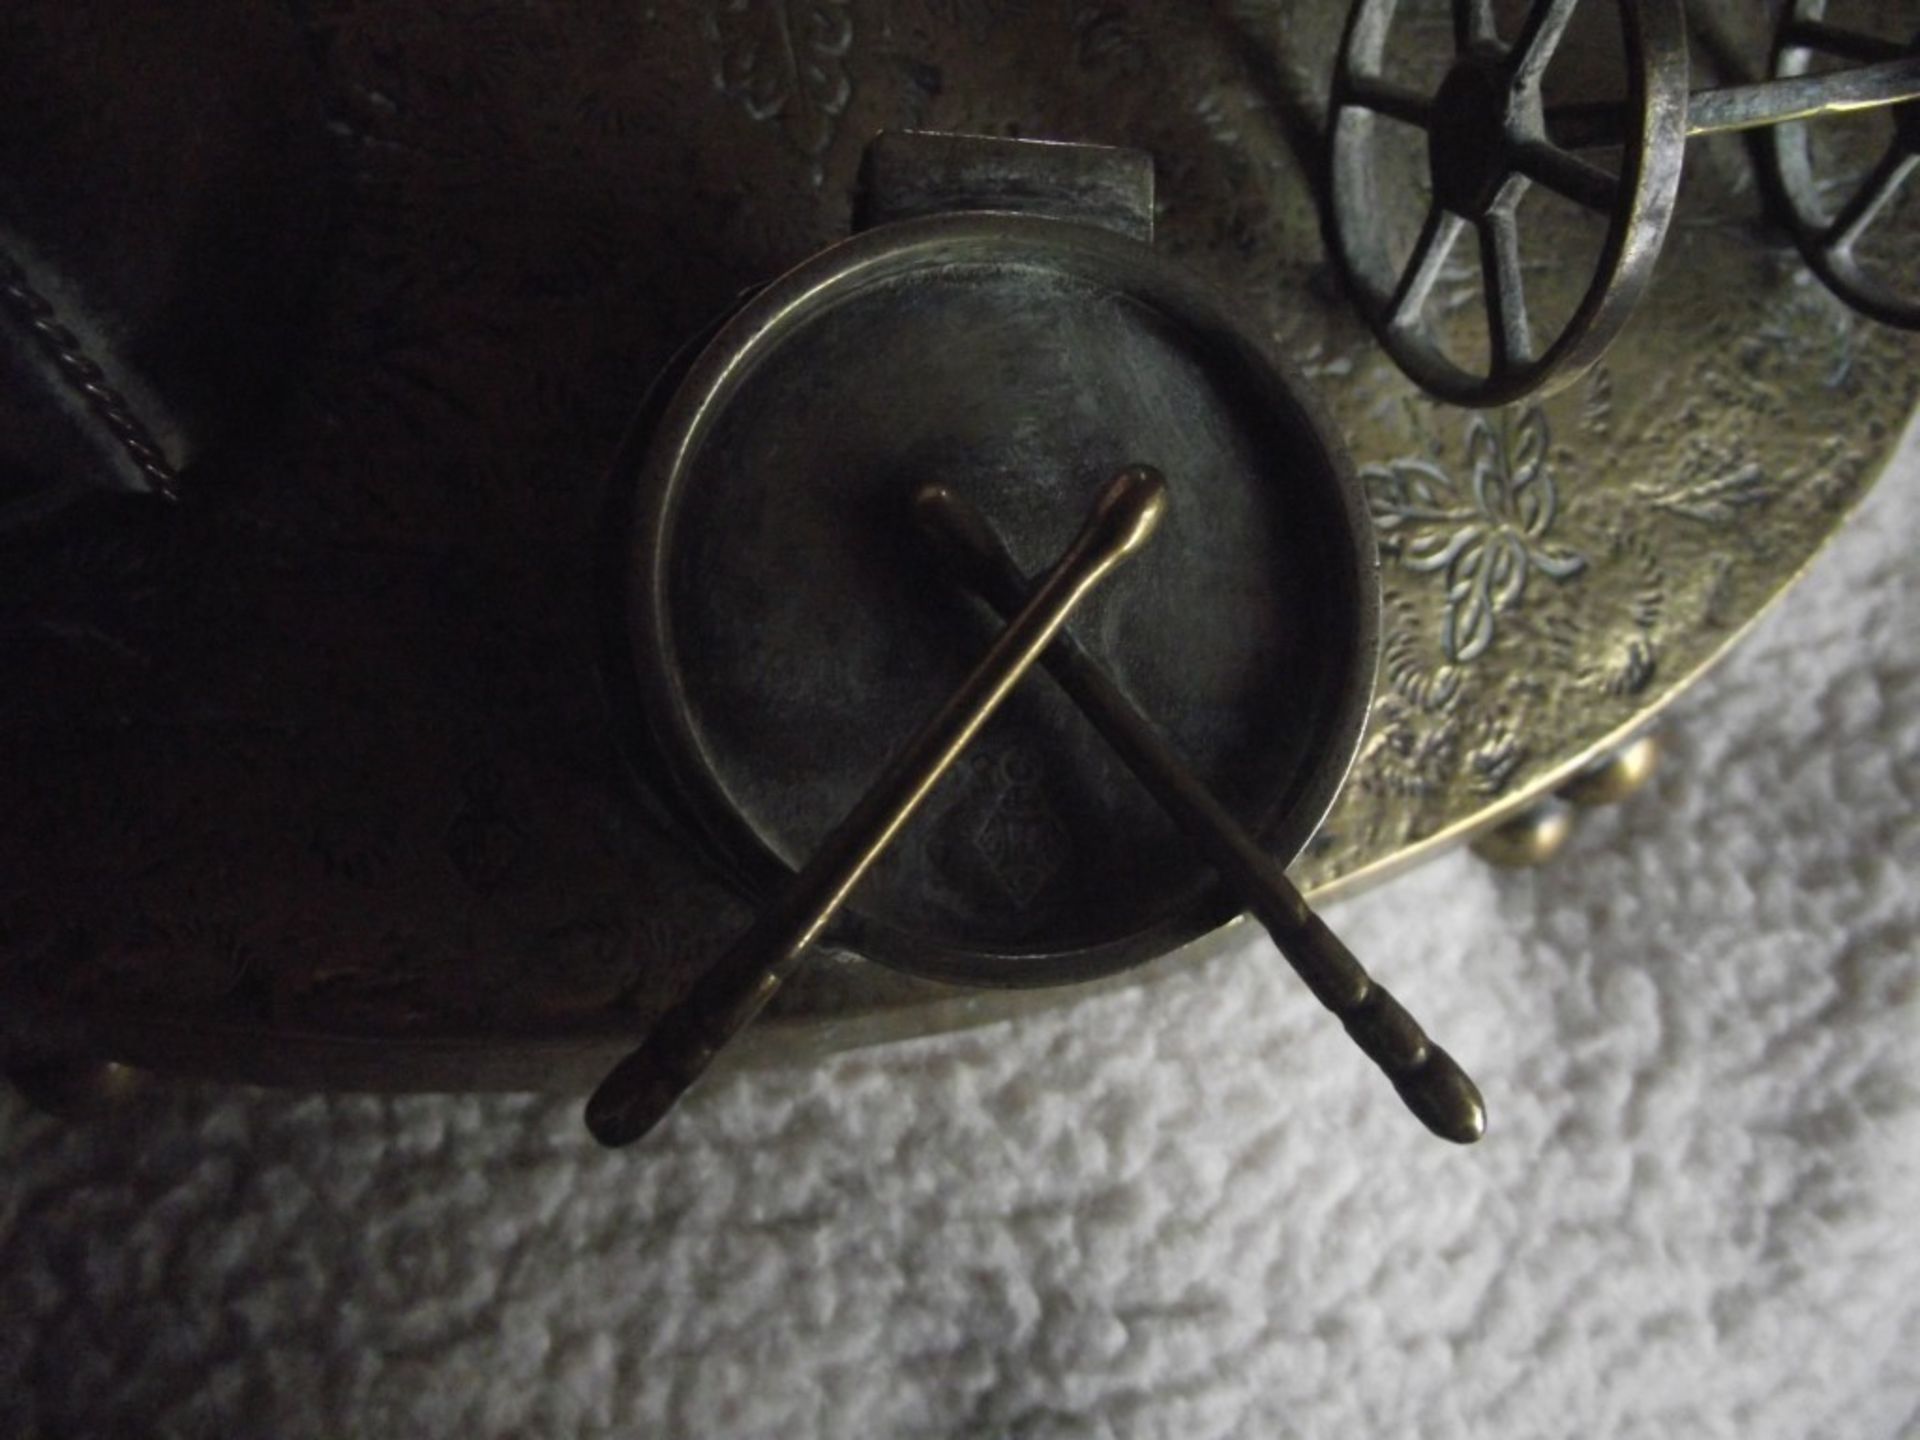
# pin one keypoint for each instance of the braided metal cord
(85, 378)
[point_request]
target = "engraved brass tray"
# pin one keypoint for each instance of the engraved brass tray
(311, 779)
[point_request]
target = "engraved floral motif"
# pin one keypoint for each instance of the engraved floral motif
(1811, 321)
(1486, 541)
(1622, 642)
(1497, 755)
(1020, 838)
(1407, 754)
(785, 60)
(977, 14)
(1596, 411)
(1108, 36)
(1716, 500)
(1413, 739)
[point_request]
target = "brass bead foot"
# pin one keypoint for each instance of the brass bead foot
(1614, 777)
(1531, 838)
(74, 1089)
(1535, 837)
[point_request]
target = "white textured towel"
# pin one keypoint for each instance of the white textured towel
(1187, 1211)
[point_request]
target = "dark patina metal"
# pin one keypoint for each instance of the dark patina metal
(784, 631)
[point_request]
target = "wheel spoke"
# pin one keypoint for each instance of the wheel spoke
(1847, 44)
(1856, 217)
(1578, 180)
(1473, 24)
(1539, 38)
(1509, 334)
(1429, 258)
(1370, 92)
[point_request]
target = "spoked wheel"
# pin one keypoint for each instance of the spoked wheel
(1829, 236)
(1487, 142)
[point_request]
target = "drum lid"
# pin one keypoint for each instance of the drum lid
(789, 629)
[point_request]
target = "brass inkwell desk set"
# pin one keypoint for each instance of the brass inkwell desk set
(378, 716)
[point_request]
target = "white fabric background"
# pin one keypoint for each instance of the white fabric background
(1188, 1211)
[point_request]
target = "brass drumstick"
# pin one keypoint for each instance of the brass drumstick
(640, 1090)
(1433, 1086)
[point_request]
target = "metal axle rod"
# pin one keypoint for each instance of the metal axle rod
(1757, 106)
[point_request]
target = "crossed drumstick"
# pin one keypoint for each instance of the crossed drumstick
(640, 1091)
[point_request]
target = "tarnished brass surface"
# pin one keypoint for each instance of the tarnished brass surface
(371, 830)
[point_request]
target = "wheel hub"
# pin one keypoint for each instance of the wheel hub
(1469, 147)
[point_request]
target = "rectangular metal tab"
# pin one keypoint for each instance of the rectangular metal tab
(911, 173)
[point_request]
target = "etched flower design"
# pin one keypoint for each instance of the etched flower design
(786, 61)
(1488, 541)
(1021, 839)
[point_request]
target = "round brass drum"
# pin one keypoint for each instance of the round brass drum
(788, 630)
